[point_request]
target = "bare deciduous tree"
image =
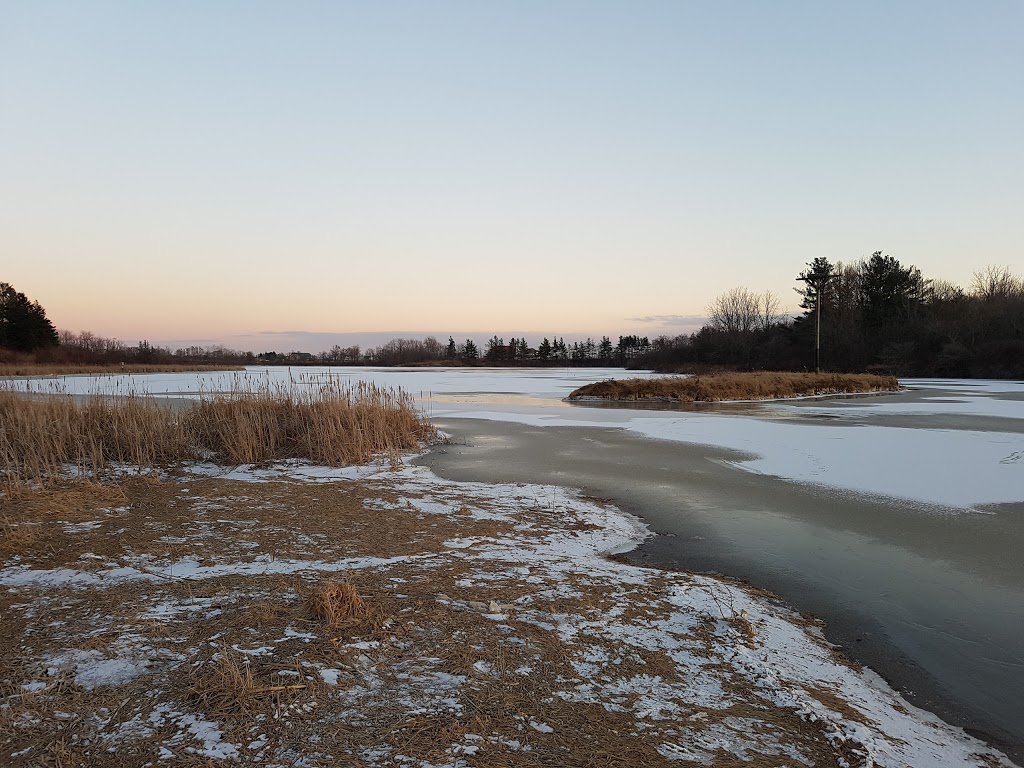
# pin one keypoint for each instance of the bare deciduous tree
(945, 291)
(996, 282)
(735, 311)
(768, 312)
(740, 310)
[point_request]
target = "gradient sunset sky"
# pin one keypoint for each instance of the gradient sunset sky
(233, 172)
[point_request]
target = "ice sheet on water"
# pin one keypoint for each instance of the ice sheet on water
(544, 383)
(961, 397)
(955, 468)
(946, 468)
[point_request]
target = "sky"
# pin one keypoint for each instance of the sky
(272, 175)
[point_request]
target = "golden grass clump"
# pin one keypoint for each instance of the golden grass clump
(337, 604)
(767, 385)
(42, 437)
(335, 424)
(226, 685)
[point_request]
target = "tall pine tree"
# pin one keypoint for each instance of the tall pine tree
(23, 323)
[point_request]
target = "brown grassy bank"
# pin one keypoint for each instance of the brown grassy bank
(214, 622)
(334, 424)
(737, 386)
(71, 369)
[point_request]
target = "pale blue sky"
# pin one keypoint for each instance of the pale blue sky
(217, 170)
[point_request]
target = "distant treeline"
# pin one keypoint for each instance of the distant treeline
(28, 336)
(89, 349)
(514, 352)
(875, 315)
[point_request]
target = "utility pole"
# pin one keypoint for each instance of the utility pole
(817, 330)
(817, 282)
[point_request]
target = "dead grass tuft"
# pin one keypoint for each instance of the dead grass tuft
(766, 385)
(225, 686)
(337, 604)
(16, 537)
(263, 614)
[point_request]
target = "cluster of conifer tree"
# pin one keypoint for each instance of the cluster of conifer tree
(875, 314)
(517, 351)
(556, 350)
(23, 323)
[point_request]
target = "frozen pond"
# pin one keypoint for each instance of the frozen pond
(898, 518)
(953, 444)
(543, 385)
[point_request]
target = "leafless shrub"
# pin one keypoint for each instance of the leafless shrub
(995, 282)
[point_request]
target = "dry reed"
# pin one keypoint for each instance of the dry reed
(335, 424)
(337, 604)
(43, 438)
(766, 385)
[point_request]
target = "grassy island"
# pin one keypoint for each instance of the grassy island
(765, 385)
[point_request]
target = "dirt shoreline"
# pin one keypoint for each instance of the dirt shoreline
(876, 572)
(196, 618)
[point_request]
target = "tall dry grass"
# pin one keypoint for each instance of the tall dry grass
(335, 424)
(43, 437)
(765, 385)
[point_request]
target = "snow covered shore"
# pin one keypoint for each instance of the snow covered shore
(501, 633)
